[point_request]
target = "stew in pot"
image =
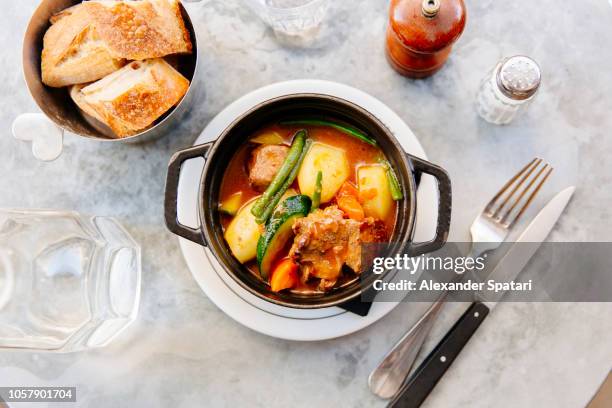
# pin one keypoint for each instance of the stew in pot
(300, 198)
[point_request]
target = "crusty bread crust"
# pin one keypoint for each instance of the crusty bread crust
(79, 99)
(139, 30)
(64, 13)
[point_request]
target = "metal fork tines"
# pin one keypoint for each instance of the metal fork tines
(520, 189)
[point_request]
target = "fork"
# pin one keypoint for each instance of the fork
(492, 226)
(489, 230)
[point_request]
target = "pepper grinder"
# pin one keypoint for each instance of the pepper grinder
(421, 33)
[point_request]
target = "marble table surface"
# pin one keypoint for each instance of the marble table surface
(183, 351)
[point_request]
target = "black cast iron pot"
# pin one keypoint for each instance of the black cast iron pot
(217, 154)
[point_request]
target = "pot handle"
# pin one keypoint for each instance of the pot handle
(444, 206)
(171, 194)
(46, 137)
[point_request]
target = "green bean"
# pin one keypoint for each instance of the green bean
(316, 196)
(351, 131)
(394, 185)
(290, 161)
(267, 212)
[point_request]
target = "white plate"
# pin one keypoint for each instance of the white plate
(239, 304)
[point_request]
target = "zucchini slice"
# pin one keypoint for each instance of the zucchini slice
(278, 231)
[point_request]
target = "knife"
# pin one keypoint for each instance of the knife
(426, 376)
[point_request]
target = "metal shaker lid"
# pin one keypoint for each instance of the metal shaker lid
(518, 77)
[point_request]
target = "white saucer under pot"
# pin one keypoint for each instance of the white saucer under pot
(252, 311)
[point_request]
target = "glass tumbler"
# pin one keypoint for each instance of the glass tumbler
(295, 22)
(67, 282)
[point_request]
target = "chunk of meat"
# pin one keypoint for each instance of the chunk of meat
(373, 232)
(265, 162)
(324, 242)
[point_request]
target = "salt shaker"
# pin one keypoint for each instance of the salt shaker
(508, 89)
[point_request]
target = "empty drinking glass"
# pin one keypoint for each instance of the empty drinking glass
(296, 22)
(67, 282)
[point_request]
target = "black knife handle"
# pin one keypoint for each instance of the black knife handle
(427, 375)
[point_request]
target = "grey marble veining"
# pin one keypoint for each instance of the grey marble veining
(183, 351)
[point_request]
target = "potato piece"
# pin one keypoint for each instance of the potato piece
(374, 192)
(243, 233)
(334, 165)
(271, 137)
(232, 204)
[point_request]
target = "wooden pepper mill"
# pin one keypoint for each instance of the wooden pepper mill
(421, 34)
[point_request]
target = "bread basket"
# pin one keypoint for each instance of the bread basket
(59, 113)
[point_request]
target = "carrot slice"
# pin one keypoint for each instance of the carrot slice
(351, 207)
(284, 275)
(347, 189)
(365, 195)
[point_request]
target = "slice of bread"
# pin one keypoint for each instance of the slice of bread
(132, 98)
(73, 52)
(138, 30)
(91, 40)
